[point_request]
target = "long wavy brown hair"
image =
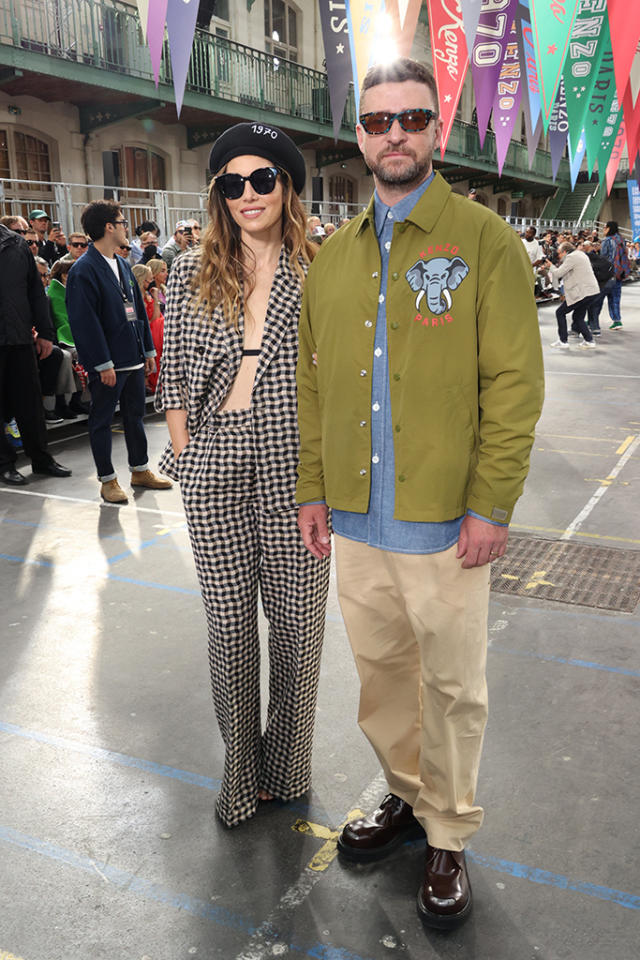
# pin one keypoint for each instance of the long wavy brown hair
(227, 266)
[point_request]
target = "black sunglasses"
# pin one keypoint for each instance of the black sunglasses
(231, 185)
(74, 244)
(128, 249)
(411, 121)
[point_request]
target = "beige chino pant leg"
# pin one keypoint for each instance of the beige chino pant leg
(418, 630)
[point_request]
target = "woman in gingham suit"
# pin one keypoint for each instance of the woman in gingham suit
(227, 385)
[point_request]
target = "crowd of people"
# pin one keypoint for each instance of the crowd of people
(583, 270)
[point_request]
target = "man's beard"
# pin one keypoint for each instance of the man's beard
(416, 172)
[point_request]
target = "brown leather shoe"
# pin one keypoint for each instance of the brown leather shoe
(145, 478)
(444, 899)
(112, 492)
(373, 837)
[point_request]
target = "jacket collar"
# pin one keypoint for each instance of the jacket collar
(101, 265)
(426, 212)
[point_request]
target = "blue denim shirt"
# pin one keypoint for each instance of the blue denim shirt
(377, 527)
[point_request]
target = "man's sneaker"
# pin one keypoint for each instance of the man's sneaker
(13, 434)
(52, 417)
(587, 345)
(597, 333)
(616, 325)
(560, 343)
(112, 492)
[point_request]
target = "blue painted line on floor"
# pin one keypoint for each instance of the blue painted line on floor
(35, 563)
(100, 753)
(569, 661)
(154, 586)
(148, 890)
(545, 877)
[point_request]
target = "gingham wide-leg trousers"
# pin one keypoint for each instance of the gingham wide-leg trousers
(238, 550)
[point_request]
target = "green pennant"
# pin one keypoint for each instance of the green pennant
(584, 56)
(552, 24)
(599, 106)
(609, 136)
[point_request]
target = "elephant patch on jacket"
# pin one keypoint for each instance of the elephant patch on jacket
(435, 279)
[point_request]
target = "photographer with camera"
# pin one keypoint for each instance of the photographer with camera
(181, 240)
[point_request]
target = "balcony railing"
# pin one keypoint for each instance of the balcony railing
(107, 34)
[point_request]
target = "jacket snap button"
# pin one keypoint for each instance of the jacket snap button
(395, 276)
(396, 376)
(363, 423)
(395, 325)
(363, 373)
(363, 473)
(402, 478)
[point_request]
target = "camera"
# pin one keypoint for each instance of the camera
(55, 225)
(188, 231)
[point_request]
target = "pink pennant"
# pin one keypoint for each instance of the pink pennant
(450, 58)
(155, 34)
(624, 25)
(616, 156)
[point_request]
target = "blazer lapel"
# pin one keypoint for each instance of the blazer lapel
(282, 311)
(106, 270)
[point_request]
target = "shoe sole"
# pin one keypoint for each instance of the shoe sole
(370, 855)
(442, 921)
(126, 499)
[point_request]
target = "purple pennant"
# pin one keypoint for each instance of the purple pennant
(558, 129)
(155, 33)
(506, 105)
(488, 53)
(533, 137)
(181, 25)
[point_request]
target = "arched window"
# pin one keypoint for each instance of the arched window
(26, 167)
(342, 189)
(502, 207)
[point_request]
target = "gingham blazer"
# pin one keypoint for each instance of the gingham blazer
(201, 356)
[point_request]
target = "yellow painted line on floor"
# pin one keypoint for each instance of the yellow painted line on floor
(626, 443)
(569, 436)
(329, 850)
(578, 533)
(537, 581)
(7, 955)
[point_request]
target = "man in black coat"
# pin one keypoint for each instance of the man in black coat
(605, 275)
(23, 306)
(111, 332)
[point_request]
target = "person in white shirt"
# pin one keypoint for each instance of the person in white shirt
(580, 290)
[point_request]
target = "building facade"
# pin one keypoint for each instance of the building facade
(80, 113)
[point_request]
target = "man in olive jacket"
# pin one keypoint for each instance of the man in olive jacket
(419, 386)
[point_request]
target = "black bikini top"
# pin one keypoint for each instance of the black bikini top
(251, 353)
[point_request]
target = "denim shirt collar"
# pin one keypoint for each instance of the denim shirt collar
(402, 208)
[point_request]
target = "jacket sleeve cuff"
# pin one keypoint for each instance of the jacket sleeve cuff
(307, 492)
(497, 513)
(495, 523)
(103, 366)
(149, 353)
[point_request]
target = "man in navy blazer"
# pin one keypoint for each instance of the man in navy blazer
(111, 333)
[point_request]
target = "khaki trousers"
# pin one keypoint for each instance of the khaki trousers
(418, 630)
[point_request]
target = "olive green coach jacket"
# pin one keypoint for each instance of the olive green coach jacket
(465, 362)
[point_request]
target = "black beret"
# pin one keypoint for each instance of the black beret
(259, 140)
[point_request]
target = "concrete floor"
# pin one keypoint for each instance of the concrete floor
(109, 753)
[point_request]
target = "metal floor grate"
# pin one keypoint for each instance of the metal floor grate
(569, 572)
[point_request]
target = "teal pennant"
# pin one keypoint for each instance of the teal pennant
(584, 56)
(552, 23)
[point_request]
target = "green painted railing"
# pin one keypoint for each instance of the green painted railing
(107, 34)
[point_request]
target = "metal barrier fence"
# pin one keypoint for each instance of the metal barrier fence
(65, 201)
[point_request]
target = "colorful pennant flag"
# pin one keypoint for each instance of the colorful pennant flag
(558, 129)
(366, 30)
(487, 55)
(403, 15)
(576, 157)
(610, 137)
(599, 107)
(337, 53)
(506, 105)
(533, 136)
(450, 59)
(181, 26)
(614, 159)
(471, 10)
(624, 25)
(529, 67)
(584, 56)
(155, 33)
(552, 22)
